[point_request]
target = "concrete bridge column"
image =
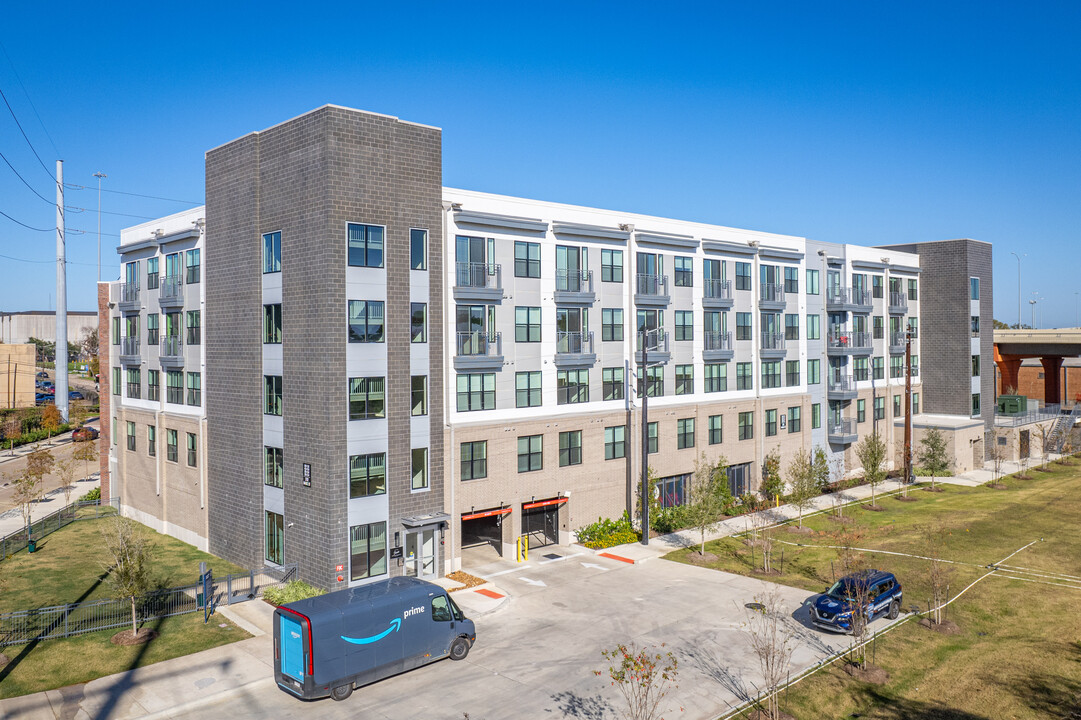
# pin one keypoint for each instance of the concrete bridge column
(1009, 367)
(1052, 369)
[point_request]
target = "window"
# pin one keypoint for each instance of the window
(915, 365)
(743, 326)
(716, 377)
(570, 448)
(367, 398)
(272, 324)
(684, 379)
(684, 433)
(116, 381)
(367, 551)
(194, 327)
(476, 391)
(652, 435)
(655, 378)
(912, 294)
(812, 282)
(816, 416)
(814, 371)
(572, 386)
(877, 328)
(418, 249)
(131, 436)
(275, 537)
(794, 420)
(195, 389)
(897, 366)
(861, 410)
(367, 475)
(975, 366)
(365, 245)
(791, 280)
(273, 466)
(743, 276)
(171, 449)
(474, 460)
(420, 469)
(527, 324)
(771, 423)
(152, 328)
(529, 453)
(272, 252)
(418, 322)
(880, 408)
(192, 262)
(878, 368)
(153, 387)
(684, 271)
(975, 326)
(527, 259)
(859, 369)
(419, 395)
(193, 450)
(615, 442)
(134, 384)
(612, 324)
(133, 327)
(272, 394)
(746, 426)
(527, 389)
(612, 266)
(814, 327)
(716, 429)
(744, 376)
(876, 286)
(896, 405)
(116, 331)
(174, 387)
(974, 291)
(975, 401)
(791, 373)
(771, 374)
(152, 276)
(612, 379)
(365, 321)
(684, 325)
(915, 403)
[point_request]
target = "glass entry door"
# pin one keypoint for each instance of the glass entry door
(420, 553)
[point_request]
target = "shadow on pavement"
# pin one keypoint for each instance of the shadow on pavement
(573, 705)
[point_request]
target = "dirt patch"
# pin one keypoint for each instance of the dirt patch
(760, 571)
(4, 660)
(936, 488)
(998, 486)
(698, 558)
(800, 530)
(946, 627)
(905, 498)
(1042, 468)
(840, 519)
(870, 674)
(873, 508)
(126, 637)
(762, 715)
(465, 578)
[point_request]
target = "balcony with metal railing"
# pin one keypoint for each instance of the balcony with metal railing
(897, 342)
(717, 346)
(478, 281)
(841, 387)
(480, 350)
(129, 300)
(574, 286)
(717, 294)
(171, 291)
(651, 289)
(898, 303)
(771, 296)
(773, 345)
(656, 345)
(171, 352)
(842, 431)
(844, 299)
(843, 342)
(129, 351)
(574, 349)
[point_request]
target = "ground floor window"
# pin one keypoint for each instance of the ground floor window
(671, 491)
(275, 537)
(738, 478)
(367, 550)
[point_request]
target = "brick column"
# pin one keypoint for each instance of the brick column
(1009, 367)
(1052, 368)
(104, 345)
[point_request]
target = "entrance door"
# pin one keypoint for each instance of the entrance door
(541, 525)
(420, 553)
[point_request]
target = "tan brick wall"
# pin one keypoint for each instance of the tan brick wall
(17, 369)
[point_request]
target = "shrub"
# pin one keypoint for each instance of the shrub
(607, 533)
(669, 519)
(295, 590)
(93, 496)
(923, 472)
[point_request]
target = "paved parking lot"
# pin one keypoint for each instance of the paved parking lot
(536, 653)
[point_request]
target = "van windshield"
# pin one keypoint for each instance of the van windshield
(842, 590)
(455, 610)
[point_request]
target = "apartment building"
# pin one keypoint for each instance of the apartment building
(394, 372)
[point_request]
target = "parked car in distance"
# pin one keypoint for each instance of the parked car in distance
(44, 399)
(42, 374)
(837, 610)
(83, 433)
(75, 395)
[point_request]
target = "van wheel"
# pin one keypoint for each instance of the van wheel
(342, 691)
(459, 649)
(895, 610)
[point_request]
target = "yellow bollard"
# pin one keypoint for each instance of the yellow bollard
(522, 548)
(778, 501)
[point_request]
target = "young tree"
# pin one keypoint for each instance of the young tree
(1044, 430)
(820, 468)
(932, 453)
(802, 481)
(29, 483)
(772, 483)
(128, 563)
(644, 677)
(65, 470)
(86, 453)
(709, 495)
(934, 538)
(50, 420)
(88, 343)
(872, 455)
(859, 596)
(773, 639)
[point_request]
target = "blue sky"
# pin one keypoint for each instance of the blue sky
(867, 123)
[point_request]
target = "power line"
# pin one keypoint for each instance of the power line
(32, 106)
(45, 262)
(107, 212)
(24, 179)
(24, 224)
(91, 232)
(121, 192)
(10, 110)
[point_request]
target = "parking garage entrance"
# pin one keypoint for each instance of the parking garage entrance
(484, 529)
(540, 521)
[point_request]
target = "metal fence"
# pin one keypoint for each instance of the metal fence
(80, 510)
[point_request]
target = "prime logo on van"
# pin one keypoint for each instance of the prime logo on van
(395, 625)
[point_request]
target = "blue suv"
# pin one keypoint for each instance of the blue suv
(834, 610)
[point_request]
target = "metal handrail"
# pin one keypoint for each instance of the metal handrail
(473, 344)
(478, 275)
(718, 289)
(771, 292)
(651, 284)
(574, 280)
(717, 340)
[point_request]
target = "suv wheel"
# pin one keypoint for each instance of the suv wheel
(895, 610)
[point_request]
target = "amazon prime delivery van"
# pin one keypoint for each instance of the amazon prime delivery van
(328, 645)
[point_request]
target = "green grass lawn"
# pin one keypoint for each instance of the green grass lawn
(1018, 654)
(67, 567)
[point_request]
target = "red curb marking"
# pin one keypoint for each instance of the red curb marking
(489, 593)
(616, 557)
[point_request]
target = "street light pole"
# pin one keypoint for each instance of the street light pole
(1033, 304)
(1018, 288)
(645, 438)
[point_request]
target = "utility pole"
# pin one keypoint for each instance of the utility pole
(908, 405)
(643, 374)
(61, 359)
(99, 176)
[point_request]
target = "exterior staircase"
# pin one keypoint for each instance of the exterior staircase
(1061, 430)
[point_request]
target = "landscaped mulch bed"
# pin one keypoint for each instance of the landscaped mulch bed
(466, 579)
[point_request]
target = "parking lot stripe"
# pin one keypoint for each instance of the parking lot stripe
(616, 557)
